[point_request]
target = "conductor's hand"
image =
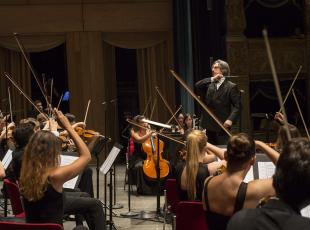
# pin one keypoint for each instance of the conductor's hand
(217, 77)
(227, 124)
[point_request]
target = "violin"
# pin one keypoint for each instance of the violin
(86, 134)
(153, 147)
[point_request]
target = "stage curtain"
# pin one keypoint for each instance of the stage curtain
(33, 43)
(86, 77)
(14, 64)
(134, 40)
(153, 70)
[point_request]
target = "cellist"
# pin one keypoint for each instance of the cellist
(137, 137)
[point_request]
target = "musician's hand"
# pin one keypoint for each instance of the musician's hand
(62, 119)
(79, 124)
(227, 124)
(279, 117)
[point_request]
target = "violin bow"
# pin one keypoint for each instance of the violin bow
(10, 103)
(30, 67)
(300, 113)
(190, 91)
(51, 100)
(276, 82)
(23, 93)
(291, 87)
(59, 101)
(146, 107)
(153, 109)
(85, 117)
(170, 119)
(160, 134)
(167, 105)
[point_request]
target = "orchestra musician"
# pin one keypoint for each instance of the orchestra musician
(226, 194)
(139, 136)
(192, 173)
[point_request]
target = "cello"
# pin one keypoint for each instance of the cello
(153, 147)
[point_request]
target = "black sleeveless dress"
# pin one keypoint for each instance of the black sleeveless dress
(202, 174)
(218, 221)
(49, 209)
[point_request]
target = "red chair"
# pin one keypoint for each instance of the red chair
(14, 196)
(29, 226)
(190, 215)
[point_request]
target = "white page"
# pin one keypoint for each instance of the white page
(7, 159)
(66, 160)
(265, 170)
(110, 159)
(305, 212)
(249, 176)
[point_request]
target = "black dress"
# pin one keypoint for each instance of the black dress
(144, 185)
(218, 221)
(202, 174)
(49, 209)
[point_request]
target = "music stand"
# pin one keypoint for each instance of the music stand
(107, 167)
(98, 148)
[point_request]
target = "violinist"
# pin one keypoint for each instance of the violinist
(192, 173)
(226, 193)
(139, 136)
(6, 138)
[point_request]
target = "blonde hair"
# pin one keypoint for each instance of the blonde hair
(196, 142)
(41, 155)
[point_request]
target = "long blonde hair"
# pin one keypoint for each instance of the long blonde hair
(41, 155)
(196, 142)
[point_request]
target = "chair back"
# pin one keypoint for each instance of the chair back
(190, 215)
(172, 194)
(14, 196)
(29, 226)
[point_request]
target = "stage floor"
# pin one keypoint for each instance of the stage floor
(138, 203)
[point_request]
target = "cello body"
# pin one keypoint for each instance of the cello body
(150, 147)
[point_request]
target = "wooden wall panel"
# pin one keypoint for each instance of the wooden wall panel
(40, 19)
(128, 17)
(107, 16)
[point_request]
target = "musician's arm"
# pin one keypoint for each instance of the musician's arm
(216, 150)
(140, 139)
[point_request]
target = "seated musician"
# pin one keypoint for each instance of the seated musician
(226, 194)
(188, 123)
(192, 173)
(291, 182)
(42, 179)
(139, 136)
(180, 118)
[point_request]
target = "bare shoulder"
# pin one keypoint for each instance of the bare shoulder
(258, 189)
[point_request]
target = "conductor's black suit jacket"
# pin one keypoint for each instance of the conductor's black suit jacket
(224, 102)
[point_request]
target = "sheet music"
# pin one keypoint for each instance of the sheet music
(305, 212)
(66, 160)
(265, 170)
(7, 159)
(110, 159)
(249, 176)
